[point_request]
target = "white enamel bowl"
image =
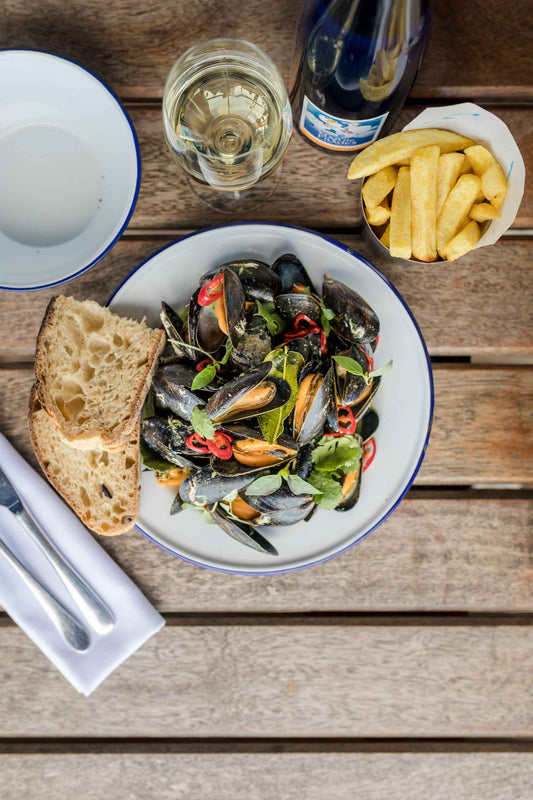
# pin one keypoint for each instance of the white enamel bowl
(404, 401)
(69, 170)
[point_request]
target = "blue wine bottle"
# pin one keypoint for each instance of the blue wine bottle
(356, 63)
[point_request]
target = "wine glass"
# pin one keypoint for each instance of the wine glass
(227, 121)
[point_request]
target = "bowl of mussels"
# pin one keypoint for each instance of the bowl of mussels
(292, 405)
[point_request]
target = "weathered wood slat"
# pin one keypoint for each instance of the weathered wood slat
(313, 190)
(379, 776)
(456, 306)
(482, 429)
(284, 681)
(132, 46)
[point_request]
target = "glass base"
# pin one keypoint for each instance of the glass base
(237, 202)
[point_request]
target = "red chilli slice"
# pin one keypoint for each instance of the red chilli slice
(211, 291)
(369, 451)
(197, 443)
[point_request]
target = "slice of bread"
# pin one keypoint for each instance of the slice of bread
(101, 487)
(93, 370)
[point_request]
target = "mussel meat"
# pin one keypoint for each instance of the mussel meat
(252, 453)
(355, 321)
(254, 392)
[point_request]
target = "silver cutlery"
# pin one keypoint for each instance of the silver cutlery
(67, 625)
(91, 606)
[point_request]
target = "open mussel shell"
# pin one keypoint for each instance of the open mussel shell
(254, 392)
(292, 273)
(175, 331)
(204, 487)
(309, 348)
(251, 453)
(368, 425)
(312, 405)
(255, 344)
(281, 507)
(351, 488)
(351, 387)
(291, 305)
(243, 533)
(210, 325)
(355, 321)
(170, 389)
(258, 280)
(363, 403)
(167, 437)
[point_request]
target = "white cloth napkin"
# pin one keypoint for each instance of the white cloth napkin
(136, 619)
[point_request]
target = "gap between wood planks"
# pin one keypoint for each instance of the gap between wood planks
(52, 745)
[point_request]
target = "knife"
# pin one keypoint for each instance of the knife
(92, 607)
(71, 630)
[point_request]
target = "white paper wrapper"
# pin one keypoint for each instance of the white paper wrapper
(485, 128)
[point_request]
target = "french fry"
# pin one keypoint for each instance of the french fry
(404, 162)
(493, 182)
(463, 241)
(400, 218)
(424, 169)
(385, 239)
(378, 215)
(480, 197)
(450, 165)
(483, 212)
(455, 209)
(466, 166)
(398, 146)
(378, 186)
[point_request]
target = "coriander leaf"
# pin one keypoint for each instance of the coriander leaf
(382, 370)
(343, 453)
(268, 484)
(328, 312)
(324, 321)
(201, 423)
(349, 364)
(273, 320)
(152, 460)
(297, 485)
(286, 364)
(204, 377)
(330, 490)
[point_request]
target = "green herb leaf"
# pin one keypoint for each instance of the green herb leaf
(225, 357)
(152, 460)
(204, 377)
(273, 320)
(267, 484)
(231, 496)
(207, 518)
(286, 364)
(297, 485)
(328, 312)
(349, 364)
(342, 453)
(330, 490)
(382, 370)
(201, 423)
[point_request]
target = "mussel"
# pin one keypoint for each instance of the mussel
(355, 321)
(368, 425)
(292, 273)
(252, 453)
(292, 305)
(254, 392)
(312, 404)
(355, 390)
(209, 325)
(242, 532)
(176, 332)
(256, 343)
(258, 280)
(351, 487)
(204, 487)
(167, 437)
(281, 507)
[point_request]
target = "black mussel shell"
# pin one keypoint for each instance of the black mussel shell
(204, 327)
(304, 461)
(351, 387)
(355, 321)
(243, 533)
(315, 418)
(292, 273)
(359, 408)
(167, 437)
(258, 280)
(368, 425)
(174, 328)
(171, 392)
(309, 348)
(205, 488)
(255, 344)
(353, 495)
(291, 305)
(281, 507)
(177, 505)
(220, 406)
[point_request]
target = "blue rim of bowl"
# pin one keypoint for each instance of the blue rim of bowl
(137, 183)
(431, 392)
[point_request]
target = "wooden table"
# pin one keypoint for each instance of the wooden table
(401, 669)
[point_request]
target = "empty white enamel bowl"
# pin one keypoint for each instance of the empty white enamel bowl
(69, 170)
(404, 401)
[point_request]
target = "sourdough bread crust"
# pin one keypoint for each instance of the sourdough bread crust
(34, 406)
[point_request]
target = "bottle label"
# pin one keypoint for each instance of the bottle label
(337, 133)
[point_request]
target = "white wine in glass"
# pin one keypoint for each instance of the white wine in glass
(227, 121)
